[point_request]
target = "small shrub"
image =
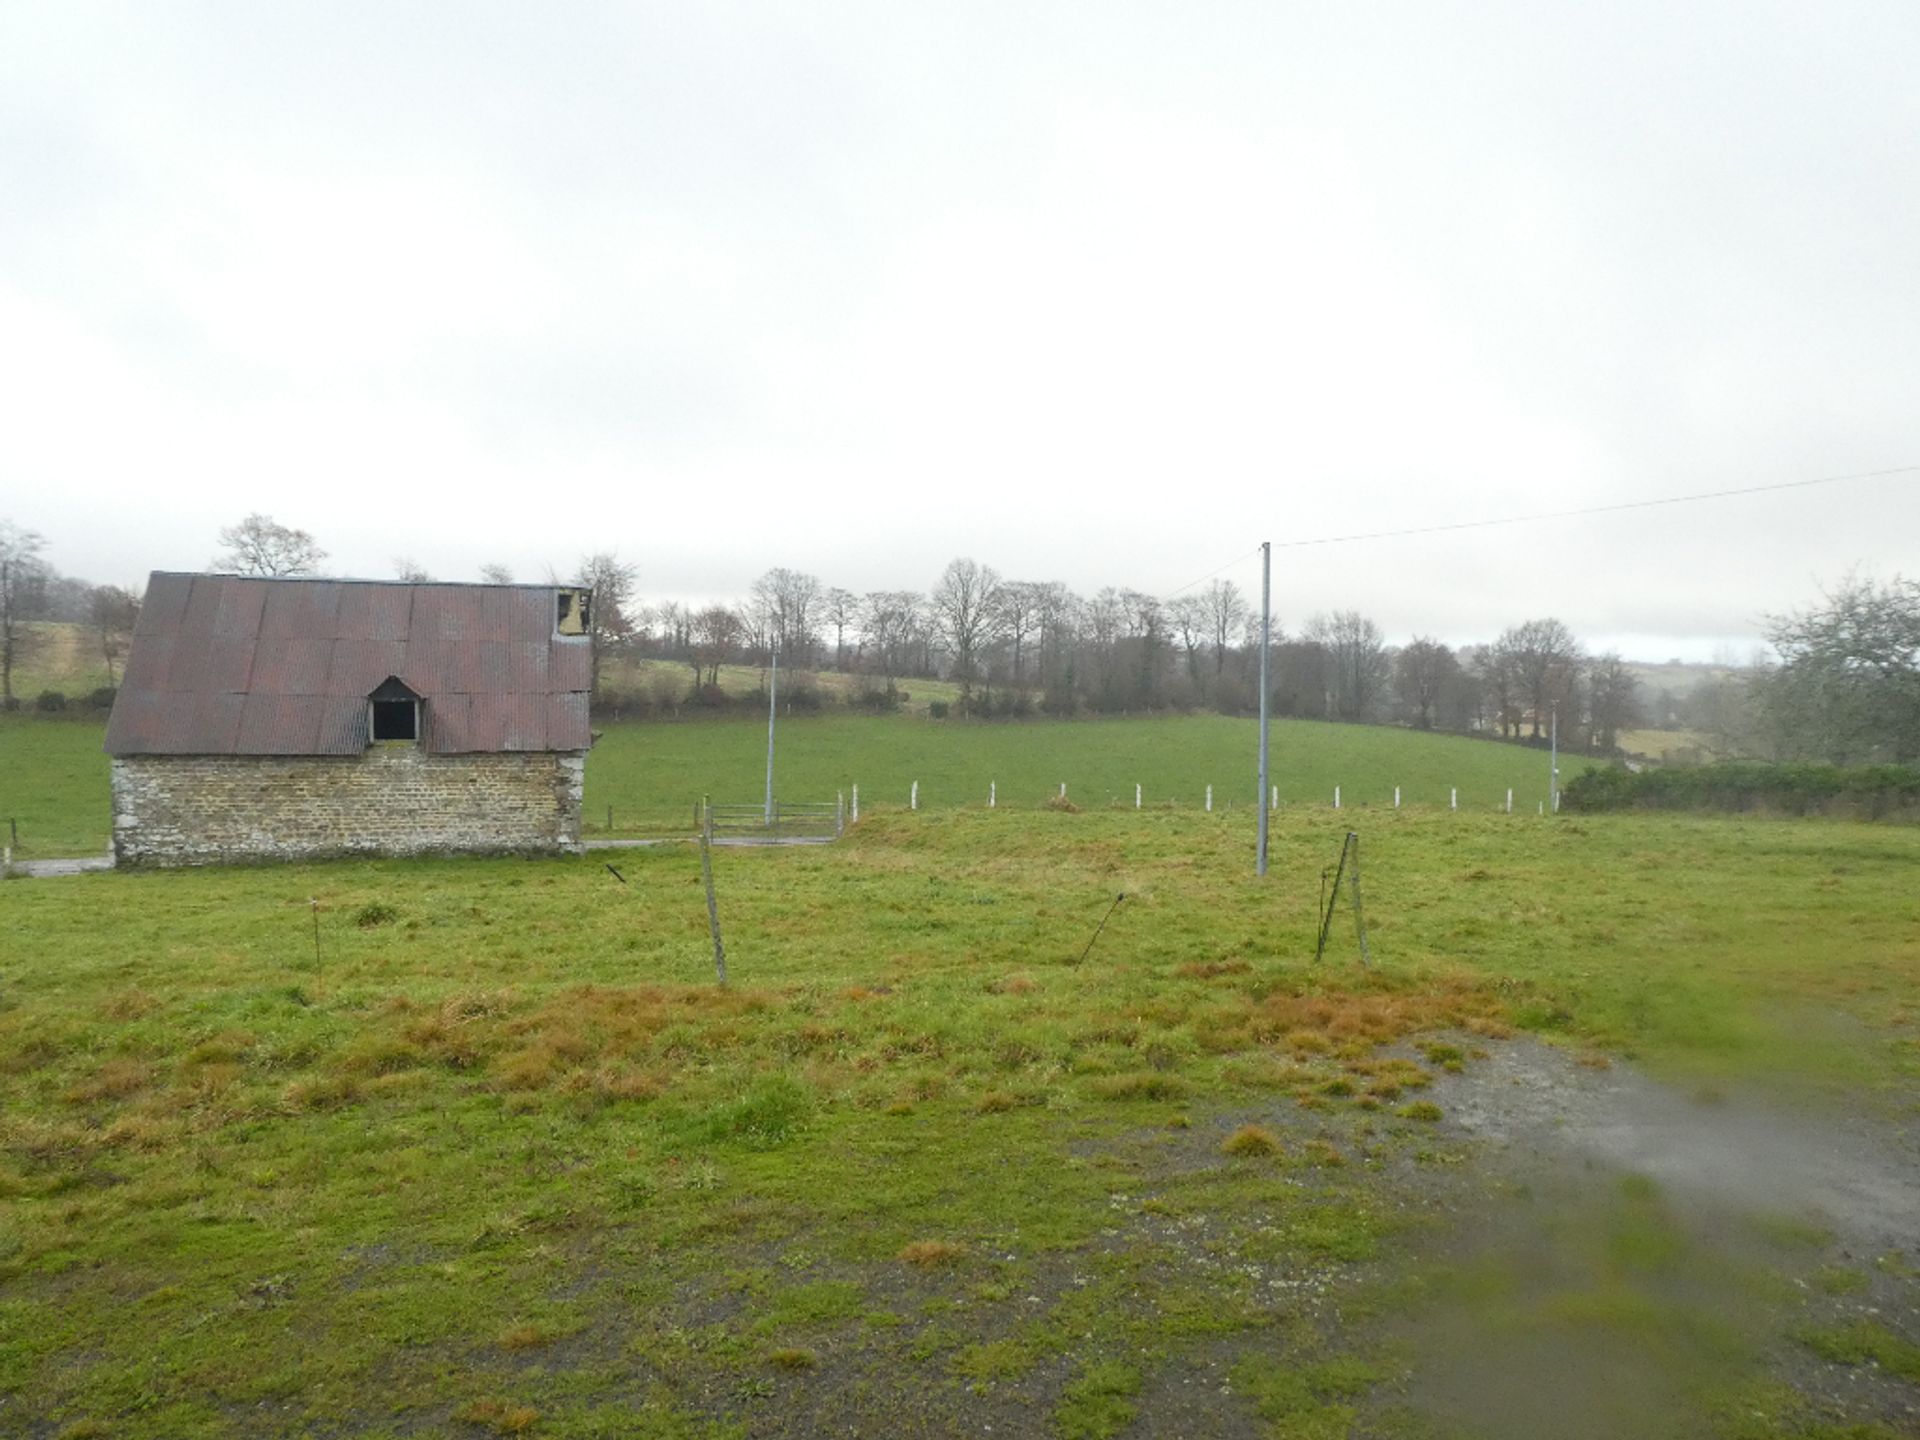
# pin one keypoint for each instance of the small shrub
(1421, 1110)
(524, 1337)
(1251, 1140)
(937, 709)
(1062, 804)
(996, 1101)
(929, 1254)
(102, 699)
(50, 701)
(375, 912)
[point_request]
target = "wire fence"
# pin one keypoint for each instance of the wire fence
(826, 820)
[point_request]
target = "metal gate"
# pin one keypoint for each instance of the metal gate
(786, 823)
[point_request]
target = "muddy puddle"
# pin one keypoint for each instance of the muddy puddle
(1609, 1256)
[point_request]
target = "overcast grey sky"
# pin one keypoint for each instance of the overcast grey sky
(1099, 293)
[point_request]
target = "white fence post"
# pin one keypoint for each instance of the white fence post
(1273, 800)
(1396, 797)
(1209, 798)
(1136, 796)
(1556, 802)
(856, 804)
(1063, 789)
(1453, 800)
(993, 794)
(1336, 797)
(1509, 800)
(913, 797)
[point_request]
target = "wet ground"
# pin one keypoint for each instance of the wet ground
(1614, 1256)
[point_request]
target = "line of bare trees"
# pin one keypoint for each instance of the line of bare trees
(1845, 683)
(1019, 646)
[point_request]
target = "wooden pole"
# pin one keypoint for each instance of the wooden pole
(706, 874)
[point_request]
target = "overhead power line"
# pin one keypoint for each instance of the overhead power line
(1552, 515)
(1597, 509)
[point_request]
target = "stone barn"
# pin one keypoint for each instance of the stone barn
(288, 719)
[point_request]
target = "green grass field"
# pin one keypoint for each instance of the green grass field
(653, 774)
(53, 776)
(495, 1155)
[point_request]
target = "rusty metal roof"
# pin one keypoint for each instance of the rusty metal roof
(236, 665)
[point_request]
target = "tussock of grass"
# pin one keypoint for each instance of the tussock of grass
(930, 1254)
(796, 1357)
(503, 1417)
(1251, 1140)
(525, 1337)
(1098, 1402)
(1211, 969)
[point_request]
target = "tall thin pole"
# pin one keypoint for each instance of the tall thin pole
(1553, 764)
(1266, 614)
(773, 691)
(706, 876)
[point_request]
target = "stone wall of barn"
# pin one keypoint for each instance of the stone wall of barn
(395, 799)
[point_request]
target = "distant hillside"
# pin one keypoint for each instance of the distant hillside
(58, 656)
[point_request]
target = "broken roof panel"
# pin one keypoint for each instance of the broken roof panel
(226, 664)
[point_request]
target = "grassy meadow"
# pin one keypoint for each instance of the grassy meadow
(480, 1148)
(53, 776)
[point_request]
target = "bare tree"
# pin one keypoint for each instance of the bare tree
(964, 602)
(114, 612)
(1226, 608)
(22, 572)
(843, 614)
(789, 602)
(610, 583)
(406, 568)
(1497, 670)
(494, 574)
(1357, 654)
(259, 546)
(890, 621)
(1017, 620)
(1613, 700)
(1187, 617)
(1546, 661)
(713, 638)
(1422, 671)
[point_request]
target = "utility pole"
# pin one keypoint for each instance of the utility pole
(1266, 613)
(773, 691)
(1553, 763)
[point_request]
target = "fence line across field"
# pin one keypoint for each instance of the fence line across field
(828, 819)
(1339, 800)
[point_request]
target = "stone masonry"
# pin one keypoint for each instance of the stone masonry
(395, 799)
